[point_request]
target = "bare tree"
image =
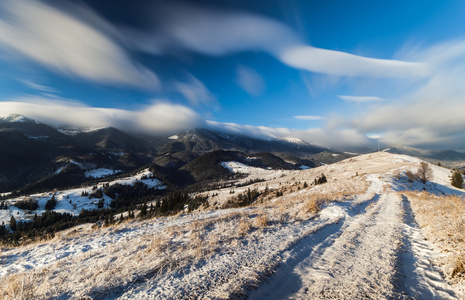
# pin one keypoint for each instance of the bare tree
(424, 172)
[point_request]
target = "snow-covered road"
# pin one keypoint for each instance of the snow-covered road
(373, 255)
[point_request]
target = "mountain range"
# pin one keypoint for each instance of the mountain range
(35, 156)
(448, 158)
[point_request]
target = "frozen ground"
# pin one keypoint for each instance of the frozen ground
(362, 243)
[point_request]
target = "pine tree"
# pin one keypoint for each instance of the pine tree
(457, 179)
(50, 204)
(143, 210)
(13, 223)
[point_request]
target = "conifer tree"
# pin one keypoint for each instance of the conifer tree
(50, 204)
(13, 223)
(457, 179)
(143, 210)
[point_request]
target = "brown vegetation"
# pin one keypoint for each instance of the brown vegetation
(442, 220)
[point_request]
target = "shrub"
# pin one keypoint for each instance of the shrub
(261, 221)
(320, 180)
(410, 176)
(312, 205)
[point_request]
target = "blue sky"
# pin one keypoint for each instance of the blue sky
(334, 73)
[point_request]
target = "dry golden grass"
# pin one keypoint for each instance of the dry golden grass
(443, 222)
(244, 226)
(261, 221)
(29, 285)
(313, 205)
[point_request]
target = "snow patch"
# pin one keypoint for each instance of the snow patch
(14, 118)
(144, 177)
(101, 172)
(294, 140)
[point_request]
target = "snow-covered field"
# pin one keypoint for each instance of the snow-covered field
(353, 237)
(101, 172)
(72, 200)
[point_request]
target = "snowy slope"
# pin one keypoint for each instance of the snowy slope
(361, 243)
(72, 200)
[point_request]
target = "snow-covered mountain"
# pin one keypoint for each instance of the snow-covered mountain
(450, 158)
(34, 152)
(15, 118)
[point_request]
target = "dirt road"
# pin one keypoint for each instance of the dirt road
(376, 253)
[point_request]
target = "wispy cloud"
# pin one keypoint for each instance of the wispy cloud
(37, 86)
(250, 80)
(161, 117)
(60, 41)
(309, 118)
(360, 99)
(195, 91)
(345, 64)
(217, 32)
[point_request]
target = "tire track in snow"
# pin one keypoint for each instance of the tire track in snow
(362, 262)
(357, 260)
(285, 282)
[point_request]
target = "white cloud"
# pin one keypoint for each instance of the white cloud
(218, 33)
(431, 114)
(360, 99)
(194, 91)
(211, 31)
(315, 136)
(345, 64)
(250, 80)
(65, 43)
(161, 117)
(309, 118)
(38, 87)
